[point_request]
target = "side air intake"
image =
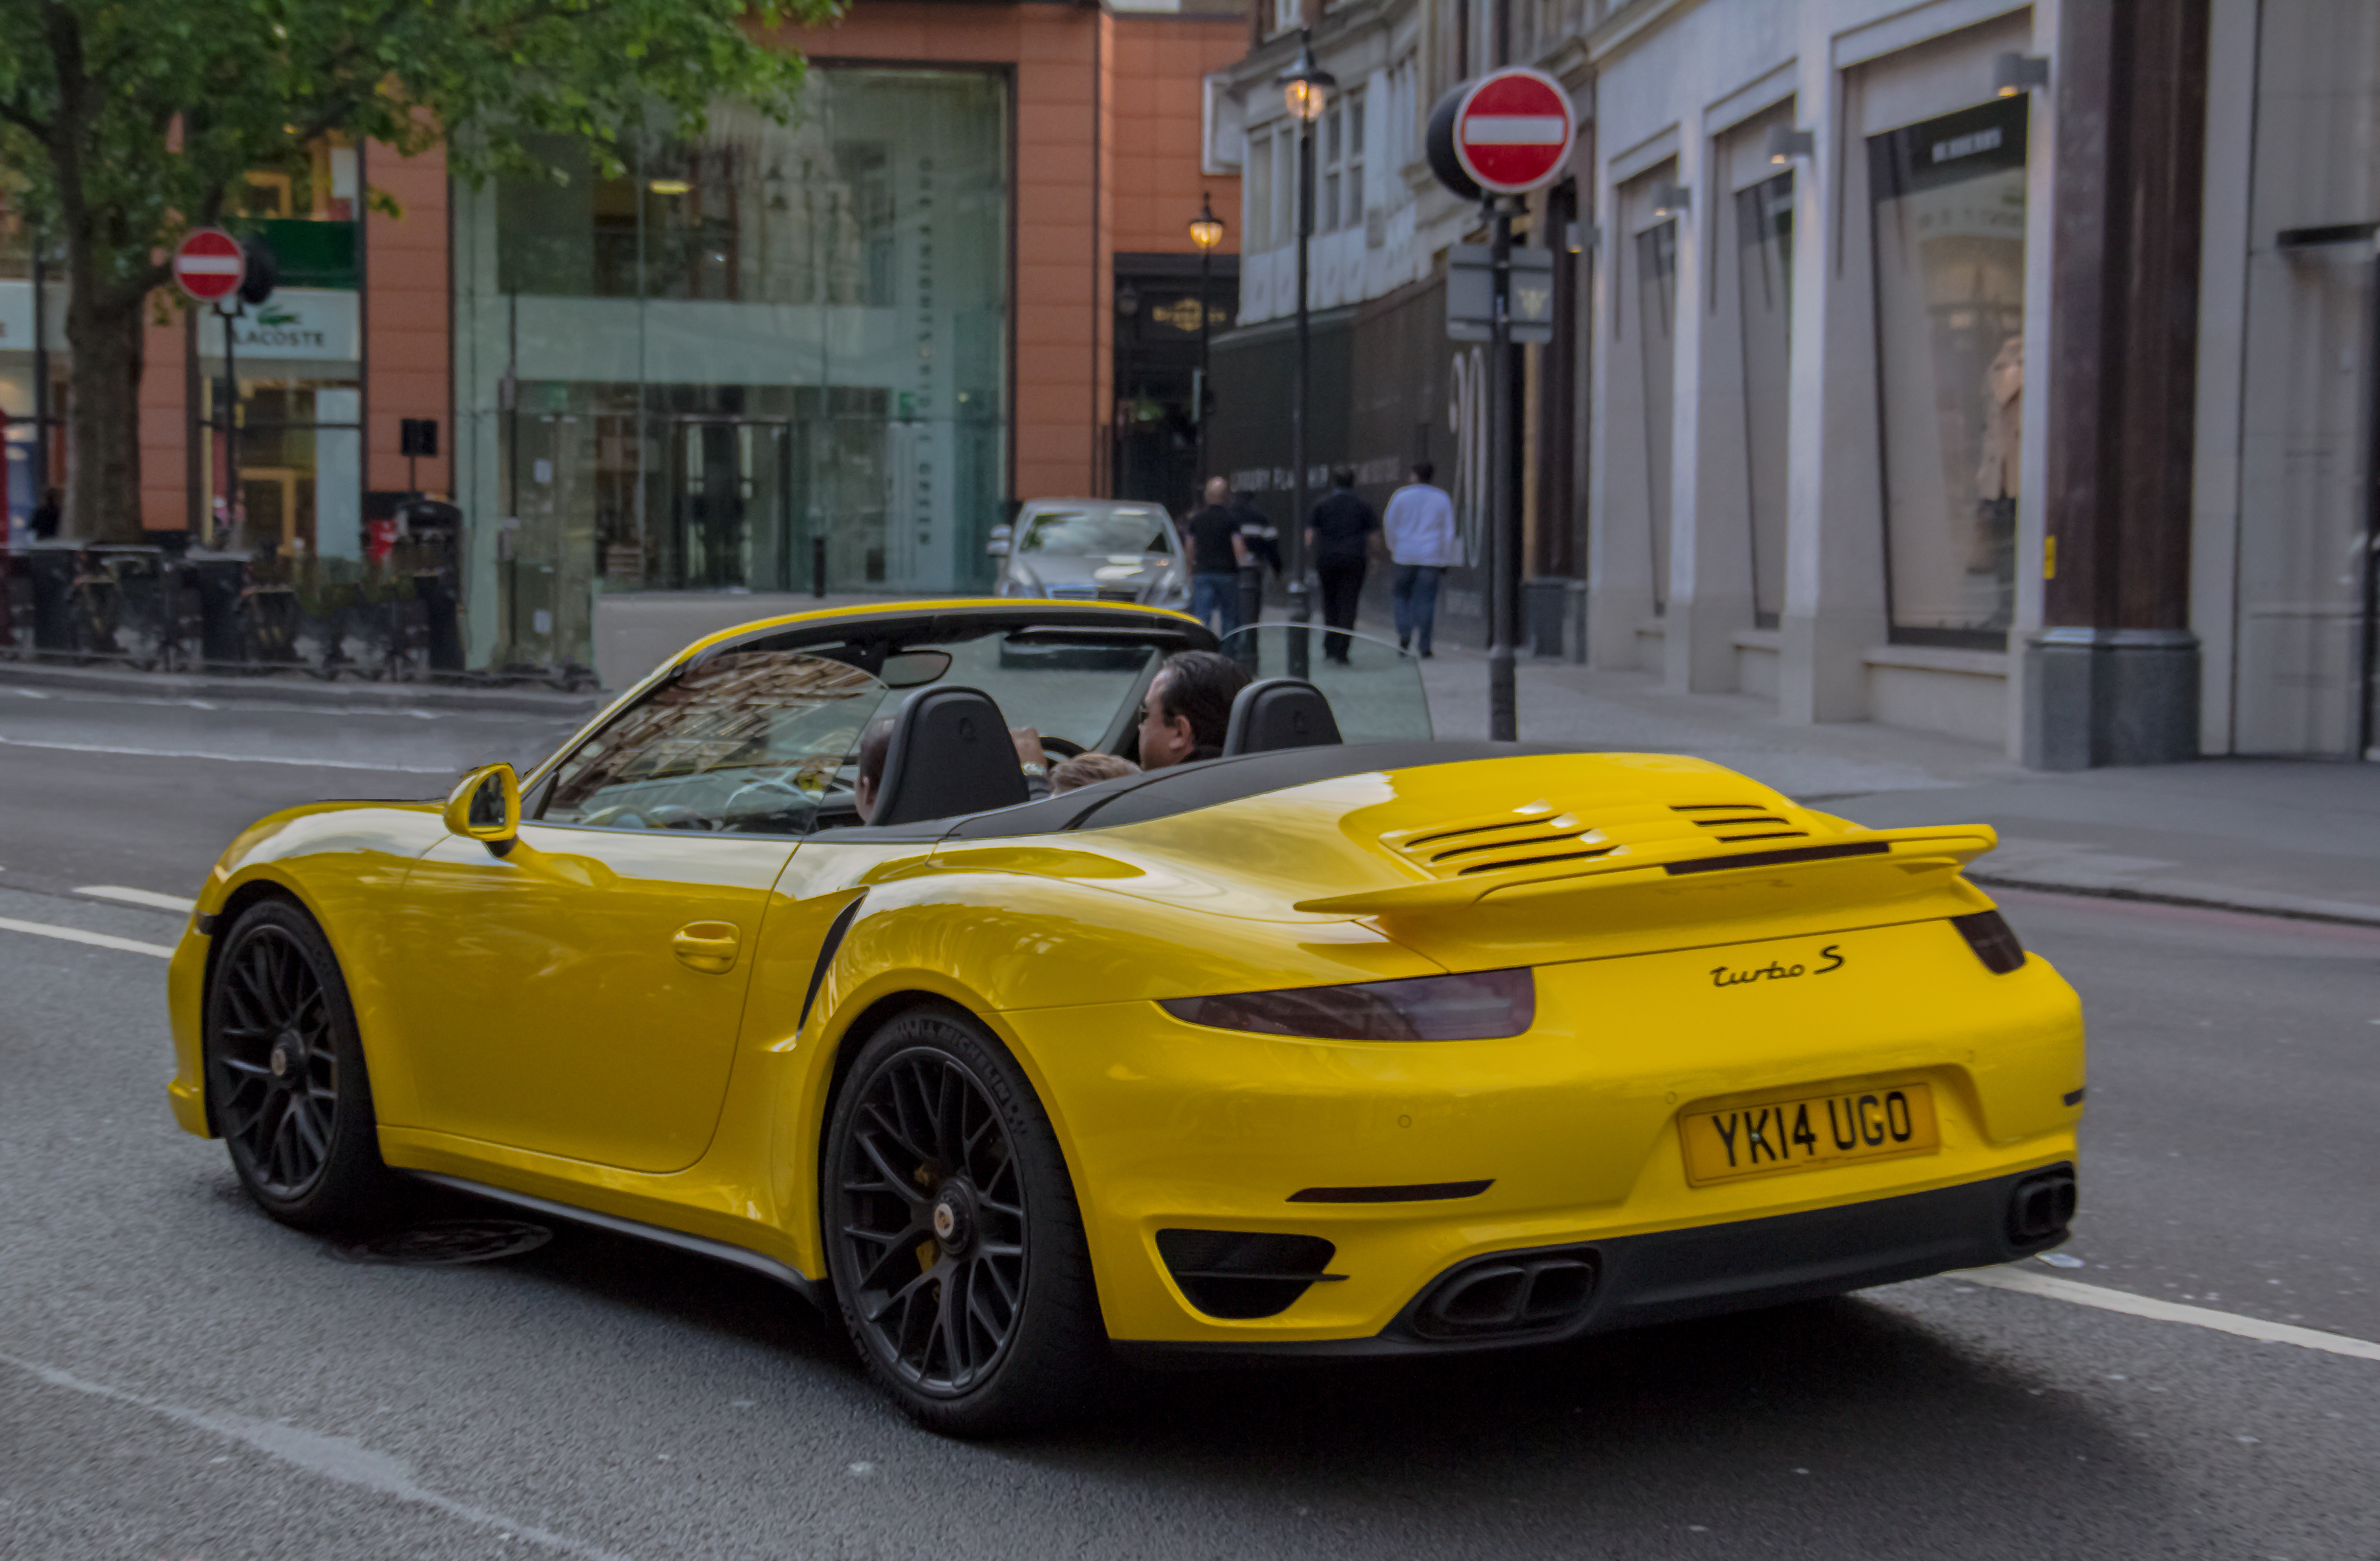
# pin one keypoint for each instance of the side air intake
(1243, 1273)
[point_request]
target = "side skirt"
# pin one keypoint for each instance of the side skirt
(783, 1273)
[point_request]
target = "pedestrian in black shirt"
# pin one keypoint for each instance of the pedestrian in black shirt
(43, 522)
(1215, 554)
(1339, 538)
(1264, 542)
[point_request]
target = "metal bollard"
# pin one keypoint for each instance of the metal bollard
(817, 566)
(1301, 634)
(221, 577)
(49, 568)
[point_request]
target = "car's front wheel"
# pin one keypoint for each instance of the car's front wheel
(952, 1235)
(286, 1075)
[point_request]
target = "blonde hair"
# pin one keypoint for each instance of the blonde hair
(1084, 769)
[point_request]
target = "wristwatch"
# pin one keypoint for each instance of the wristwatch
(1032, 769)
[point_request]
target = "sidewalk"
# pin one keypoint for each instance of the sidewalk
(296, 688)
(2276, 837)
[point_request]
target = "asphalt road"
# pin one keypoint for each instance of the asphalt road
(180, 1378)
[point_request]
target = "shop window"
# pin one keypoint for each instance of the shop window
(744, 216)
(1656, 308)
(1949, 227)
(1764, 227)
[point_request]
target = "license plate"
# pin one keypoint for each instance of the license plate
(1811, 1132)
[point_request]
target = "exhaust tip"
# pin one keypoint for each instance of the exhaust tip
(1535, 1294)
(2041, 1206)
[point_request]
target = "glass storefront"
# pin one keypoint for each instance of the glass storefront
(300, 465)
(686, 377)
(1949, 298)
(1764, 230)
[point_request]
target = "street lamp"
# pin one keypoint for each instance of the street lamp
(1304, 87)
(1206, 231)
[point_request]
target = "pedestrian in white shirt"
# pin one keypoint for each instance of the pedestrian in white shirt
(1420, 529)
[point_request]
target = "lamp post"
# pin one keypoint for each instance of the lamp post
(1304, 87)
(1206, 232)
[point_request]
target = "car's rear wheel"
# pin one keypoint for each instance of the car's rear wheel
(286, 1075)
(952, 1235)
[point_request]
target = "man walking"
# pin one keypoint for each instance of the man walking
(1217, 550)
(1338, 539)
(1420, 532)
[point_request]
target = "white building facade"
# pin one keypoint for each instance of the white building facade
(2004, 370)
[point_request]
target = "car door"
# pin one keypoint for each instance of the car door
(578, 995)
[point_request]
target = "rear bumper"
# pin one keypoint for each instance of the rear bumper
(1737, 1265)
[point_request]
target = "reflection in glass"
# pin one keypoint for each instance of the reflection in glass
(752, 742)
(1656, 306)
(1764, 225)
(1949, 299)
(1105, 530)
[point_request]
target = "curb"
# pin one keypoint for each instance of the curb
(284, 689)
(2276, 906)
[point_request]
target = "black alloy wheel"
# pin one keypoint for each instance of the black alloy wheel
(286, 1081)
(954, 1242)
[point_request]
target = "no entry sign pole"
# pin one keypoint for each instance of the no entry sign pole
(1496, 139)
(209, 267)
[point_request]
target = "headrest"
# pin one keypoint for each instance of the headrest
(950, 753)
(1279, 713)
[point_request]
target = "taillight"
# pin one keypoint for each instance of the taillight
(1993, 940)
(1482, 1006)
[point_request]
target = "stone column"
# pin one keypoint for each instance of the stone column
(2112, 676)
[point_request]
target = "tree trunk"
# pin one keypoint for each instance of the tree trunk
(104, 421)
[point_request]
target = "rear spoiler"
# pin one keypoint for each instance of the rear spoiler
(1924, 847)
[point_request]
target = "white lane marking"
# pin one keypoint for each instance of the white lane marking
(76, 934)
(337, 1457)
(233, 758)
(139, 896)
(2170, 1312)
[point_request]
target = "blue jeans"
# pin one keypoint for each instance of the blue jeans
(1215, 597)
(1415, 591)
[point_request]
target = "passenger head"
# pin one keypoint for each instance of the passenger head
(1188, 708)
(1085, 769)
(1218, 491)
(874, 744)
(1423, 471)
(1343, 476)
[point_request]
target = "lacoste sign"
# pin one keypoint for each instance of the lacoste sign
(308, 324)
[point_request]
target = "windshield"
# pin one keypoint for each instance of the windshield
(1095, 531)
(1376, 694)
(754, 742)
(1076, 692)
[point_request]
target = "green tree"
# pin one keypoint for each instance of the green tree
(127, 122)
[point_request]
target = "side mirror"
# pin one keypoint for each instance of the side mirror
(485, 806)
(1000, 540)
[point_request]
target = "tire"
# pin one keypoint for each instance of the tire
(954, 1240)
(286, 1079)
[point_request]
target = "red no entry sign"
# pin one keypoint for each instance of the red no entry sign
(209, 264)
(1514, 130)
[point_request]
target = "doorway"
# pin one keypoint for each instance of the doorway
(729, 515)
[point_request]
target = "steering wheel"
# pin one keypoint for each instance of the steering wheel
(1065, 748)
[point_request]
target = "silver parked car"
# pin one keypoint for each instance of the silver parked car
(1092, 550)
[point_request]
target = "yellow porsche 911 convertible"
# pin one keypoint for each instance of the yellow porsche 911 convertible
(1339, 1040)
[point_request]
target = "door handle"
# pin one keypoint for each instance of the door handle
(709, 947)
